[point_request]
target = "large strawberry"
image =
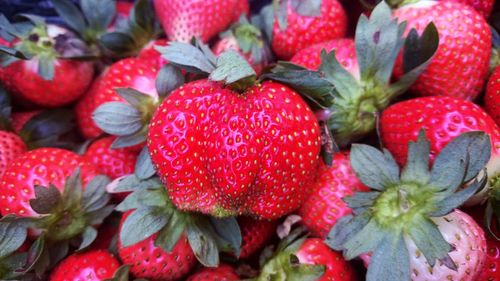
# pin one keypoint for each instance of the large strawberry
(223, 272)
(443, 118)
(460, 67)
(299, 24)
(324, 207)
(484, 7)
(349, 97)
(182, 20)
(235, 147)
(492, 96)
(44, 75)
(96, 265)
(408, 221)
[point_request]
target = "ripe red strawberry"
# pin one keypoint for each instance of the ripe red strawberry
(460, 65)
(150, 53)
(69, 79)
(324, 206)
(492, 96)
(39, 167)
(345, 52)
(223, 272)
(182, 20)
(409, 221)
(19, 119)
(491, 269)
(303, 29)
(130, 72)
(97, 265)
(11, 146)
(223, 153)
(255, 234)
(112, 162)
(484, 7)
(443, 118)
(153, 263)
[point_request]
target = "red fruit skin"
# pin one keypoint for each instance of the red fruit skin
(255, 234)
(491, 269)
(111, 162)
(42, 166)
(153, 263)
(149, 52)
(460, 66)
(185, 19)
(19, 119)
(223, 272)
(315, 251)
(230, 43)
(96, 265)
(11, 146)
(71, 80)
(492, 96)
(224, 153)
(484, 7)
(324, 206)
(133, 73)
(345, 52)
(303, 31)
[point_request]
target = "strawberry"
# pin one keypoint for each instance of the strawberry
(460, 66)
(408, 221)
(345, 52)
(491, 269)
(301, 258)
(492, 96)
(45, 76)
(484, 7)
(97, 265)
(182, 20)
(299, 24)
(150, 53)
(111, 162)
(11, 146)
(19, 119)
(132, 73)
(255, 234)
(324, 206)
(223, 272)
(149, 261)
(443, 118)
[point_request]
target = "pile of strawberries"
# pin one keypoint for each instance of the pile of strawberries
(194, 140)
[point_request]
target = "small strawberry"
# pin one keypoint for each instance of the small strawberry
(97, 265)
(45, 75)
(182, 20)
(408, 222)
(19, 119)
(484, 7)
(11, 146)
(460, 67)
(223, 272)
(492, 96)
(111, 162)
(443, 119)
(299, 24)
(255, 234)
(324, 206)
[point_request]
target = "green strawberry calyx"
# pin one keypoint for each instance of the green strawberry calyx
(307, 8)
(402, 203)
(355, 102)
(401, 3)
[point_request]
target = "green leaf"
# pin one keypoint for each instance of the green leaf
(345, 84)
(46, 199)
(200, 235)
(143, 14)
(134, 97)
(417, 165)
(133, 183)
(45, 128)
(144, 168)
(71, 15)
(141, 224)
(14, 53)
(345, 227)
(366, 240)
(390, 261)
(229, 230)
(429, 240)
(130, 140)
(95, 195)
(99, 13)
(34, 254)
(264, 20)
(455, 200)
(88, 235)
(375, 169)
(149, 198)
(12, 236)
(308, 8)
(97, 217)
(118, 42)
(168, 79)
(121, 274)
(187, 57)
(304, 272)
(231, 67)
(117, 118)
(46, 68)
(361, 200)
(170, 234)
(281, 13)
(73, 191)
